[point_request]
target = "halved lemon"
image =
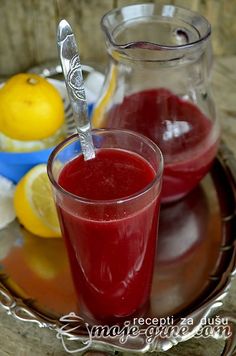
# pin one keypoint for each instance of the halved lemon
(34, 204)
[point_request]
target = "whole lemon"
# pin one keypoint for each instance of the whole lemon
(31, 108)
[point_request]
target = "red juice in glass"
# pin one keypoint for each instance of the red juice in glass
(183, 133)
(109, 217)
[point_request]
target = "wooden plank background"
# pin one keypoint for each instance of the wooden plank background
(28, 28)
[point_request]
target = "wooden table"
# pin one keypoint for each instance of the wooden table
(26, 339)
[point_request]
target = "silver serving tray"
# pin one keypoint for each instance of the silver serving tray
(195, 264)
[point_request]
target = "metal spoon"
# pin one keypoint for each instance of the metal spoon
(72, 71)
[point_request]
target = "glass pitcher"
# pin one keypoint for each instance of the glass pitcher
(157, 84)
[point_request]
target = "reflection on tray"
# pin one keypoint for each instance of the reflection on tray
(182, 227)
(189, 240)
(39, 266)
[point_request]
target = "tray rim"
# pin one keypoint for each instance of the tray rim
(23, 309)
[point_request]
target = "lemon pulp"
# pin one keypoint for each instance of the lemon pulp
(34, 204)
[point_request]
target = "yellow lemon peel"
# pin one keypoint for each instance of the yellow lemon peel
(31, 108)
(34, 204)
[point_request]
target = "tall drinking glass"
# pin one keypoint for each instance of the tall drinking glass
(110, 241)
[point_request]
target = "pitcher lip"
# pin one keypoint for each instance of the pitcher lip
(152, 45)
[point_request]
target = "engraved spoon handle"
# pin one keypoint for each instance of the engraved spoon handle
(72, 71)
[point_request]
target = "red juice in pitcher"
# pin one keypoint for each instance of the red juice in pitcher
(111, 252)
(183, 133)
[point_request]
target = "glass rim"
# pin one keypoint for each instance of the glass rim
(74, 138)
(152, 44)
